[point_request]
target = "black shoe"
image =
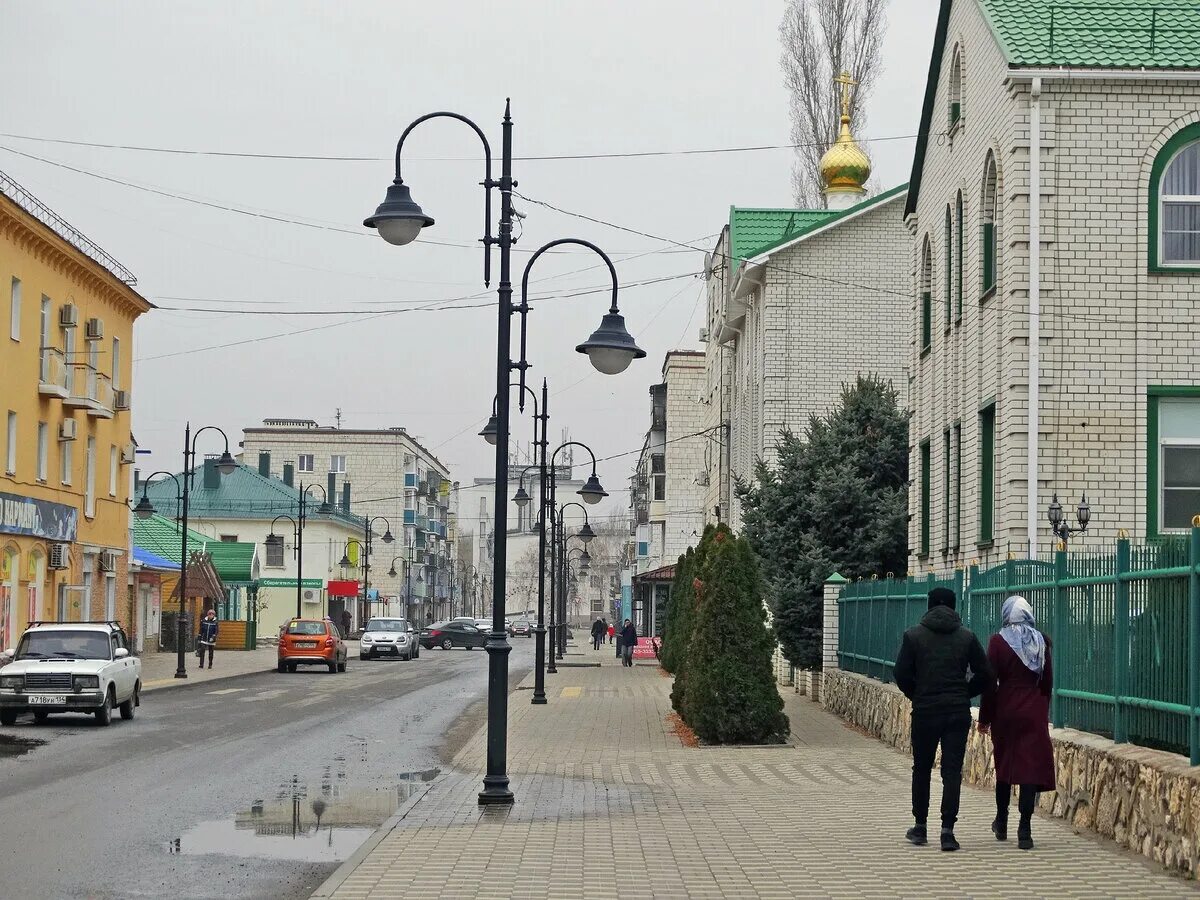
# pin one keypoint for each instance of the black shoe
(949, 841)
(1024, 837)
(917, 835)
(1000, 828)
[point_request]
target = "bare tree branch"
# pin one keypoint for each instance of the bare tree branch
(822, 38)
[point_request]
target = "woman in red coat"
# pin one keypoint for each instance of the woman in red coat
(1017, 712)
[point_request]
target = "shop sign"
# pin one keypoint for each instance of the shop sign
(290, 583)
(37, 518)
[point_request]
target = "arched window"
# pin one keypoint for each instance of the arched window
(954, 105)
(988, 244)
(926, 295)
(958, 257)
(948, 255)
(1176, 179)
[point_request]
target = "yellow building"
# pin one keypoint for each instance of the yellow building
(66, 339)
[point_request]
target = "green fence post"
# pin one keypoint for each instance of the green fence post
(963, 606)
(1058, 634)
(1121, 638)
(1194, 641)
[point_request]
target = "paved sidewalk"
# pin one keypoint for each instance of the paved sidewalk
(609, 803)
(158, 669)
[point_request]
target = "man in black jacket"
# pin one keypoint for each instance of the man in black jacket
(931, 670)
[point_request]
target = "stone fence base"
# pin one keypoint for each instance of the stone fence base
(1146, 800)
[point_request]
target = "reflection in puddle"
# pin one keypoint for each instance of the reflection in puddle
(322, 825)
(15, 746)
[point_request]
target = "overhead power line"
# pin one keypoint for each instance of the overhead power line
(317, 157)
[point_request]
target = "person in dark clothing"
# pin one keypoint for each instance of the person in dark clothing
(1017, 714)
(597, 634)
(208, 637)
(931, 670)
(346, 620)
(629, 639)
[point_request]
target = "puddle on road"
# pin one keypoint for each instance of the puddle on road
(16, 746)
(321, 822)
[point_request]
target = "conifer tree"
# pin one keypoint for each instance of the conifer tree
(686, 618)
(681, 596)
(731, 694)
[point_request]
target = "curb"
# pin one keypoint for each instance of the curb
(346, 869)
(164, 685)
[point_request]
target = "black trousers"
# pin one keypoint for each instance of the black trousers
(928, 731)
(596, 641)
(203, 648)
(1026, 800)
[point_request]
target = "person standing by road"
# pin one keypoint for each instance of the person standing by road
(1017, 715)
(208, 637)
(612, 633)
(597, 634)
(346, 620)
(629, 639)
(931, 669)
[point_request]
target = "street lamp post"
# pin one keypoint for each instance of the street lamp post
(275, 540)
(610, 348)
(364, 611)
(1058, 522)
(225, 465)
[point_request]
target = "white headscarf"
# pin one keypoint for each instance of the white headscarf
(1019, 633)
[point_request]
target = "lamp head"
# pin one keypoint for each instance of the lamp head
(144, 508)
(392, 572)
(491, 431)
(521, 497)
(387, 536)
(586, 534)
(1084, 513)
(226, 464)
(611, 347)
(344, 562)
(398, 219)
(1055, 513)
(592, 492)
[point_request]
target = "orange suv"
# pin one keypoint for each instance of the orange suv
(311, 642)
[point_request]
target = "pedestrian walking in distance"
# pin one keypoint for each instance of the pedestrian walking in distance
(629, 640)
(932, 671)
(208, 637)
(346, 620)
(597, 634)
(1017, 714)
(612, 634)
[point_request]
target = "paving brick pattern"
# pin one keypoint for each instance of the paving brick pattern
(611, 804)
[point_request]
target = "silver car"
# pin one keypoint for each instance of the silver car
(388, 637)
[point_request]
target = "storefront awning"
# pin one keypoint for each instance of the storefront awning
(656, 576)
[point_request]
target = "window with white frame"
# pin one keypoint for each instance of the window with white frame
(337, 464)
(66, 460)
(304, 462)
(1179, 461)
(113, 469)
(14, 319)
(1179, 207)
(89, 479)
(43, 449)
(45, 323)
(116, 364)
(10, 454)
(658, 475)
(275, 554)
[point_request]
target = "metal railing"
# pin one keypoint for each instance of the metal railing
(1124, 628)
(64, 229)
(53, 370)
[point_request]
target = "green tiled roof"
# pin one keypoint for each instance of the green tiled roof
(751, 231)
(243, 494)
(161, 536)
(1128, 34)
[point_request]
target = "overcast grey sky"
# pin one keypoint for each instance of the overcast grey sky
(345, 79)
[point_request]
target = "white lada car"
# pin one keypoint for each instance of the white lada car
(73, 667)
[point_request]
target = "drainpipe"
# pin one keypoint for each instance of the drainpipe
(1035, 249)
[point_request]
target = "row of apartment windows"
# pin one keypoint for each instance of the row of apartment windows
(306, 462)
(952, 463)
(66, 459)
(68, 335)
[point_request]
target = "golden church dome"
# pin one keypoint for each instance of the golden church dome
(844, 167)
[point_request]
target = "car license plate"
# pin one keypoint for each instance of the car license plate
(47, 699)
(306, 645)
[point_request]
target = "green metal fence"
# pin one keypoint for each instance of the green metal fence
(1124, 627)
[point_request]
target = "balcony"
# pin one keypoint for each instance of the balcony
(90, 391)
(410, 479)
(52, 382)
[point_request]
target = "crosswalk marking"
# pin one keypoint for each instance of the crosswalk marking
(571, 692)
(228, 691)
(262, 695)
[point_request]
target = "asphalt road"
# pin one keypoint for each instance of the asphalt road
(255, 787)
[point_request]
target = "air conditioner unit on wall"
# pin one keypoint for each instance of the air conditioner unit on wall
(311, 596)
(60, 556)
(121, 399)
(68, 316)
(94, 330)
(108, 561)
(128, 454)
(67, 431)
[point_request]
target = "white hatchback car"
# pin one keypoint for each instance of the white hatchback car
(70, 667)
(388, 637)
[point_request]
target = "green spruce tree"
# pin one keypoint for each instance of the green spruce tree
(686, 618)
(731, 694)
(681, 596)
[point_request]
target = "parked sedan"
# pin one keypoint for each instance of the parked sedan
(388, 637)
(311, 642)
(448, 635)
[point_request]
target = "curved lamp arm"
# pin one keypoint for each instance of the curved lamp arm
(271, 534)
(144, 509)
(564, 446)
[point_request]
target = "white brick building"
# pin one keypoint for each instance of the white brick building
(1101, 104)
(388, 473)
(804, 301)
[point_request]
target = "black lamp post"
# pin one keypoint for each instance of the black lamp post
(399, 220)
(275, 540)
(365, 611)
(1058, 522)
(145, 509)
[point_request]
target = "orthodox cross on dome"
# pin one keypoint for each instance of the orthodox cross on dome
(846, 82)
